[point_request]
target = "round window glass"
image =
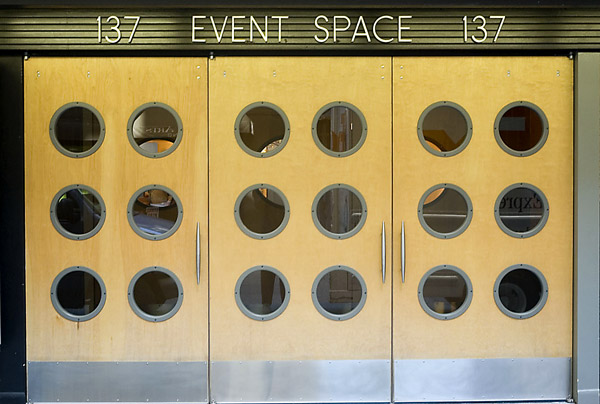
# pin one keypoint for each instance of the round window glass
(521, 210)
(154, 129)
(154, 212)
(155, 294)
(78, 293)
(521, 128)
(521, 291)
(339, 292)
(262, 293)
(339, 211)
(261, 211)
(77, 212)
(444, 128)
(262, 129)
(77, 129)
(339, 129)
(445, 292)
(445, 211)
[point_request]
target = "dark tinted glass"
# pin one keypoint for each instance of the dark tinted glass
(262, 292)
(339, 210)
(78, 293)
(78, 211)
(339, 292)
(521, 128)
(262, 210)
(155, 293)
(155, 211)
(520, 290)
(262, 129)
(445, 210)
(339, 129)
(445, 291)
(521, 209)
(155, 129)
(445, 128)
(77, 129)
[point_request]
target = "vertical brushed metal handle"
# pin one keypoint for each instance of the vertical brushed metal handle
(403, 253)
(383, 251)
(198, 253)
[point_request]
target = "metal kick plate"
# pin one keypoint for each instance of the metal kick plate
(316, 381)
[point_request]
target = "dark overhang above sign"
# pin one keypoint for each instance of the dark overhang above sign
(312, 29)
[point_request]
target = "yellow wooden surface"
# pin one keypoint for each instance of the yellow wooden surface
(483, 86)
(115, 87)
(300, 87)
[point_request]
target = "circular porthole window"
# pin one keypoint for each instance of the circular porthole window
(262, 293)
(77, 129)
(521, 291)
(154, 129)
(154, 212)
(339, 292)
(262, 129)
(521, 128)
(521, 210)
(77, 212)
(445, 292)
(339, 129)
(261, 211)
(445, 211)
(155, 294)
(444, 128)
(78, 293)
(339, 211)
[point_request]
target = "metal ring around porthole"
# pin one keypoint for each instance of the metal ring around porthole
(468, 214)
(363, 211)
(542, 220)
(363, 133)
(520, 293)
(266, 316)
(270, 233)
(456, 312)
(53, 129)
(342, 316)
(175, 117)
(285, 135)
(64, 312)
(143, 314)
(437, 149)
(543, 136)
(56, 221)
(148, 235)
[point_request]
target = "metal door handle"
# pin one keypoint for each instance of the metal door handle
(403, 253)
(198, 252)
(383, 251)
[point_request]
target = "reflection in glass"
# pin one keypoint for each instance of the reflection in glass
(521, 209)
(445, 128)
(155, 129)
(445, 212)
(520, 290)
(521, 128)
(339, 210)
(78, 211)
(339, 129)
(77, 129)
(79, 293)
(155, 293)
(445, 291)
(262, 292)
(262, 129)
(262, 210)
(155, 211)
(339, 292)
